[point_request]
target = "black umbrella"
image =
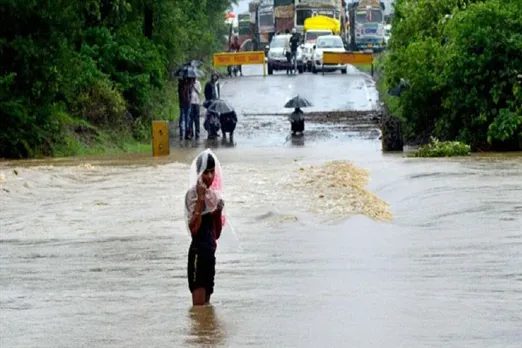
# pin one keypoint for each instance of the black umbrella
(297, 102)
(220, 106)
(188, 71)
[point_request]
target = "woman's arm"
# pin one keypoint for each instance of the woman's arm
(195, 208)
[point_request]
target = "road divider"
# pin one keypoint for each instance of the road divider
(352, 58)
(240, 58)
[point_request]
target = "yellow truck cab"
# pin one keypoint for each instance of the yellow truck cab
(313, 28)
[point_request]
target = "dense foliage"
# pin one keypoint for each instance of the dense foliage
(462, 60)
(75, 71)
(436, 148)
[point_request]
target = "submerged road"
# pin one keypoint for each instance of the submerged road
(259, 98)
(93, 251)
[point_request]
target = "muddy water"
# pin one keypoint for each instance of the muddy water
(95, 255)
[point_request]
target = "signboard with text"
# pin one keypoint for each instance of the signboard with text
(239, 58)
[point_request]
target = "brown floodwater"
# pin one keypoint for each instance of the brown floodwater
(93, 251)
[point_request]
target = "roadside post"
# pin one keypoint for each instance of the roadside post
(160, 138)
(240, 58)
(352, 58)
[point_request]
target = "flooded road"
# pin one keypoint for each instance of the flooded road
(93, 251)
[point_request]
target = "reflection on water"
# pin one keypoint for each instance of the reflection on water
(206, 328)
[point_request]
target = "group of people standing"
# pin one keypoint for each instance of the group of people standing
(189, 94)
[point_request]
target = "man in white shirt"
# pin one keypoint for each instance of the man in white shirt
(194, 106)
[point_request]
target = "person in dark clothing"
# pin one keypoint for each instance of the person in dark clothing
(212, 92)
(294, 44)
(205, 228)
(184, 88)
(234, 47)
(297, 121)
(228, 123)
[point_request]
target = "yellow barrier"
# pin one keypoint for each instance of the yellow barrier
(352, 58)
(240, 58)
(160, 138)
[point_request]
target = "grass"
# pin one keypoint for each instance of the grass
(367, 68)
(437, 148)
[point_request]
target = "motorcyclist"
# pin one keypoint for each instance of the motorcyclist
(235, 47)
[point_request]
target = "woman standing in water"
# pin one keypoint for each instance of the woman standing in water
(204, 209)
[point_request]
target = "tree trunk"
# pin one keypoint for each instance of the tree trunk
(148, 21)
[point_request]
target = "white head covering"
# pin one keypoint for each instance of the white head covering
(213, 194)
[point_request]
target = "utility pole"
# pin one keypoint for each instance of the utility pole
(351, 12)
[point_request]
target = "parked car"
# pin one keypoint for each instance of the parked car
(276, 58)
(329, 43)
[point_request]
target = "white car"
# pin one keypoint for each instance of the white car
(329, 43)
(310, 37)
(276, 59)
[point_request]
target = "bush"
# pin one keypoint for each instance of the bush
(462, 59)
(438, 148)
(74, 71)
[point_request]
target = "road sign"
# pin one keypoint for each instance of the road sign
(240, 58)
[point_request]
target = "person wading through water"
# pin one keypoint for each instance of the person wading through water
(204, 210)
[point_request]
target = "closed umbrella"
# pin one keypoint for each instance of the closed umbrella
(297, 102)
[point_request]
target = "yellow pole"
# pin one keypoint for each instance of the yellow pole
(160, 138)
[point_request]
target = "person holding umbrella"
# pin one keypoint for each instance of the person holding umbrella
(227, 116)
(187, 74)
(184, 107)
(296, 118)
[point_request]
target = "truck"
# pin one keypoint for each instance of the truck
(309, 8)
(313, 28)
(369, 25)
(244, 30)
(265, 20)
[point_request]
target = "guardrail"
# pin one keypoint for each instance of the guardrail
(240, 58)
(352, 58)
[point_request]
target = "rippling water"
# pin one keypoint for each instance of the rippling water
(93, 251)
(96, 256)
